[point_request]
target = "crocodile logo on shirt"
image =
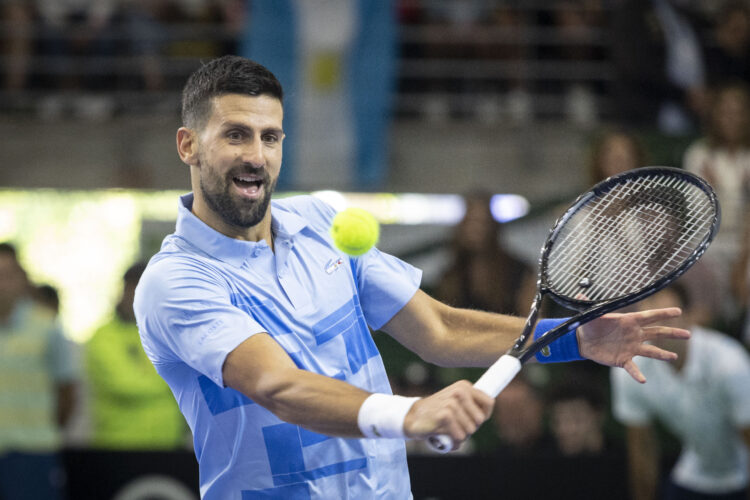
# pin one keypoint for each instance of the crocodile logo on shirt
(334, 264)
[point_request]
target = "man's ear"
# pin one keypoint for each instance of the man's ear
(187, 146)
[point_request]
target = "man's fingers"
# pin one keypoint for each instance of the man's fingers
(634, 371)
(456, 411)
(482, 406)
(653, 315)
(651, 351)
(665, 332)
(472, 409)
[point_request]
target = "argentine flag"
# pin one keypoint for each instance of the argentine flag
(336, 60)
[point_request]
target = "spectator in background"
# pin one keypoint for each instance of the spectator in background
(484, 275)
(202, 28)
(132, 407)
(740, 285)
(703, 398)
(145, 38)
(75, 36)
(722, 157)
(512, 22)
(577, 23)
(728, 56)
(577, 414)
(460, 32)
(615, 151)
(659, 67)
(17, 43)
(37, 389)
(47, 296)
(518, 420)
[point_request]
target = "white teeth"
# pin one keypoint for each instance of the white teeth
(247, 178)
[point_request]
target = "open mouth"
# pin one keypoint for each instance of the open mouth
(248, 185)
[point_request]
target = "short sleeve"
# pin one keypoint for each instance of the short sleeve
(385, 284)
(184, 313)
(628, 405)
(735, 374)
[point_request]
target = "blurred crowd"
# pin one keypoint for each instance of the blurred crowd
(48, 386)
(644, 62)
(85, 50)
(676, 68)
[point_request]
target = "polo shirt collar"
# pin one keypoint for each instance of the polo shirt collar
(232, 251)
(285, 224)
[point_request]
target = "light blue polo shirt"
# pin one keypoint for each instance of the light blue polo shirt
(204, 293)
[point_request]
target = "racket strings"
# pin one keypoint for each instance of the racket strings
(589, 232)
(665, 254)
(643, 242)
(628, 237)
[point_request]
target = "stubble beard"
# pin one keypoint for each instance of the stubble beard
(232, 209)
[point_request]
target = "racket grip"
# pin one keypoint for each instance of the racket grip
(492, 382)
(499, 375)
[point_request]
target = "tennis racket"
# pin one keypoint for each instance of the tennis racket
(628, 237)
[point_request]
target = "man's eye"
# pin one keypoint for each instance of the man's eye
(271, 138)
(234, 136)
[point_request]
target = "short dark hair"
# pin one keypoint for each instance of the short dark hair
(225, 75)
(48, 295)
(8, 249)
(683, 294)
(134, 272)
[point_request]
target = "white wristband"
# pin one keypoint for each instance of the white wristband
(382, 415)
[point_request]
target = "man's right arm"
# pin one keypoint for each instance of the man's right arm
(262, 370)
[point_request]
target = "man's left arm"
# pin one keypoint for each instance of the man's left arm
(449, 336)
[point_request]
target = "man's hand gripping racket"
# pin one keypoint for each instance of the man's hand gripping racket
(628, 237)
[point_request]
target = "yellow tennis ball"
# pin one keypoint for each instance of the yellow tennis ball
(355, 231)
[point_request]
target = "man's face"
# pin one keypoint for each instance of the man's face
(239, 157)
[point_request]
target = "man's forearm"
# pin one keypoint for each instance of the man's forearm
(478, 338)
(319, 403)
(448, 336)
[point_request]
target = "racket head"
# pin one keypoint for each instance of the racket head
(627, 237)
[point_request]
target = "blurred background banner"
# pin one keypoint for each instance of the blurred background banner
(337, 62)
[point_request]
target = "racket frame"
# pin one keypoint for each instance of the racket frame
(589, 310)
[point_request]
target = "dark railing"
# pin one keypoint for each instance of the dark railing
(445, 63)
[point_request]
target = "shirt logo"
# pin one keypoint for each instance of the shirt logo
(334, 264)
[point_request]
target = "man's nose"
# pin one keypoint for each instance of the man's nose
(253, 155)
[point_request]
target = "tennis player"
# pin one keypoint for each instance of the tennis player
(262, 328)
